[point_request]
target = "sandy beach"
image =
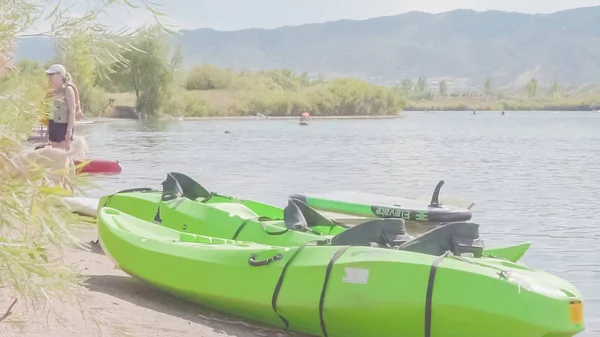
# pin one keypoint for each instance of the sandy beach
(124, 306)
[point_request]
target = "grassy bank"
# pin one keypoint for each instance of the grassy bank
(234, 103)
(210, 91)
(577, 103)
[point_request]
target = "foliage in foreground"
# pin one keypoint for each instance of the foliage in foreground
(34, 229)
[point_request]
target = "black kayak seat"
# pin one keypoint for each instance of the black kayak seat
(298, 215)
(377, 232)
(457, 237)
(180, 185)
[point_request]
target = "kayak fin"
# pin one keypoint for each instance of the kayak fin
(511, 253)
(436, 201)
(435, 198)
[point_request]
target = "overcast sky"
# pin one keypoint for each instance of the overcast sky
(241, 14)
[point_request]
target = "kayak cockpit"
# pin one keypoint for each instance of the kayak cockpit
(460, 238)
(379, 232)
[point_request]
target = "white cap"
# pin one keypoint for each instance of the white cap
(56, 69)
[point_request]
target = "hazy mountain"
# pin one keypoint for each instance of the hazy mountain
(461, 44)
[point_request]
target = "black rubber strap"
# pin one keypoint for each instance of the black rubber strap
(429, 296)
(324, 290)
(157, 217)
(280, 283)
(239, 230)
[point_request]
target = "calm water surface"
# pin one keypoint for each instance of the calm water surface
(534, 176)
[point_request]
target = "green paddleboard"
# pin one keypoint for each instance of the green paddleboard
(381, 206)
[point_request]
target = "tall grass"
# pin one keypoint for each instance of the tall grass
(35, 230)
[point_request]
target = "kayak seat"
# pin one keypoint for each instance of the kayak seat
(379, 232)
(297, 215)
(235, 209)
(457, 237)
(179, 185)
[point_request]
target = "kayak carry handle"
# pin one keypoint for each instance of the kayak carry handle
(435, 198)
(252, 260)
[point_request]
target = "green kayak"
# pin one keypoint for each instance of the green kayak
(336, 289)
(186, 206)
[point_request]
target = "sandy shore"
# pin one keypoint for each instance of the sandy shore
(125, 306)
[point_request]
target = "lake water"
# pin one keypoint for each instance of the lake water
(534, 175)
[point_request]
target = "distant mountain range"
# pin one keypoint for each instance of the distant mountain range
(461, 46)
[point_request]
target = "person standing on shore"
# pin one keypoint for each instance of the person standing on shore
(65, 107)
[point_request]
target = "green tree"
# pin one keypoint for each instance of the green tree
(421, 85)
(34, 230)
(443, 88)
(210, 77)
(407, 85)
(532, 88)
(487, 86)
(147, 69)
(553, 91)
(285, 78)
(29, 67)
(77, 54)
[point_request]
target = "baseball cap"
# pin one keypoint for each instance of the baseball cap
(56, 69)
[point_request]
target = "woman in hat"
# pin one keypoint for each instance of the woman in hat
(64, 108)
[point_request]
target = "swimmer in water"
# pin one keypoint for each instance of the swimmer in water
(305, 117)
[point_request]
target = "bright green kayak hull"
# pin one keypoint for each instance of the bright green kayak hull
(345, 291)
(230, 218)
(221, 216)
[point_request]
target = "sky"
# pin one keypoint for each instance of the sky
(243, 14)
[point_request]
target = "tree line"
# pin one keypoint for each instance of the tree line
(420, 90)
(149, 67)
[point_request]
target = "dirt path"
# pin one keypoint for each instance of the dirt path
(125, 306)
